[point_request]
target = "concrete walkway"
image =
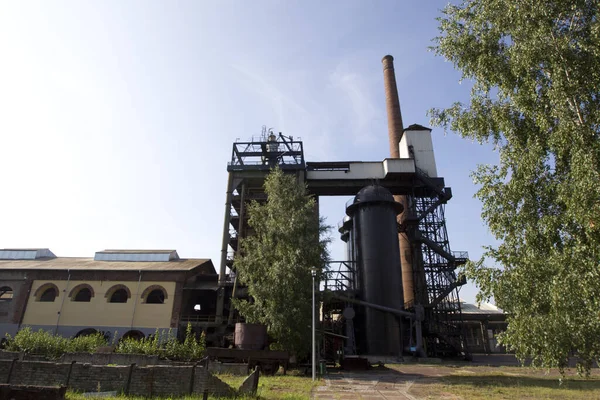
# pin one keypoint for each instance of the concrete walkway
(371, 385)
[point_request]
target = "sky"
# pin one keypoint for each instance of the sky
(117, 118)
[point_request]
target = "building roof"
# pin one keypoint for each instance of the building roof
(137, 255)
(88, 264)
(483, 308)
(25, 254)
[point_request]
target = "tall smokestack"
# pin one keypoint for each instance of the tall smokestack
(395, 130)
(392, 103)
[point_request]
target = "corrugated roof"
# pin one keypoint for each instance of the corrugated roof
(483, 308)
(25, 254)
(114, 251)
(83, 264)
(136, 255)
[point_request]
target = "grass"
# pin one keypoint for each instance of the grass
(447, 382)
(494, 383)
(292, 386)
(277, 387)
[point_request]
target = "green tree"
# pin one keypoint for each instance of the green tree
(535, 70)
(288, 239)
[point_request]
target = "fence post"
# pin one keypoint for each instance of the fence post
(205, 390)
(152, 369)
(192, 378)
(10, 371)
(128, 383)
(69, 374)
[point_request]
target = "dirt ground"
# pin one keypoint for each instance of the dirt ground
(458, 380)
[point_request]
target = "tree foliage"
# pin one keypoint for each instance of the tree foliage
(535, 69)
(287, 240)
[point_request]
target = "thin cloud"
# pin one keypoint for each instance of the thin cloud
(364, 111)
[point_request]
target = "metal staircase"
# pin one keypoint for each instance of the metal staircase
(434, 269)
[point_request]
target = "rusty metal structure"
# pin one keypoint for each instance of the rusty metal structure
(397, 292)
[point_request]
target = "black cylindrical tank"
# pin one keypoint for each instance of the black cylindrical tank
(375, 235)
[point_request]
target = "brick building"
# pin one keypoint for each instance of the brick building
(481, 324)
(131, 292)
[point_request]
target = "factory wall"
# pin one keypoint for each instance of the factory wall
(72, 316)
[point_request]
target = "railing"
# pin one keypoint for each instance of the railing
(461, 254)
(192, 318)
(340, 276)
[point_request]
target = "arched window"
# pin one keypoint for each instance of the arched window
(6, 293)
(82, 293)
(137, 335)
(118, 294)
(154, 294)
(48, 292)
(49, 295)
(86, 332)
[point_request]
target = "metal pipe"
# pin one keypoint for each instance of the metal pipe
(137, 296)
(395, 130)
(314, 341)
(63, 301)
(390, 310)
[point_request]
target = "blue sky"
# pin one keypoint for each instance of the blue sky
(117, 118)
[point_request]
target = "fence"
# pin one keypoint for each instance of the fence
(156, 380)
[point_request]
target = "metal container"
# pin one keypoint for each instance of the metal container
(375, 235)
(250, 336)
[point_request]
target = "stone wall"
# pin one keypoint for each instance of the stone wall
(159, 380)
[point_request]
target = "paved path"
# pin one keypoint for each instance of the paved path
(371, 385)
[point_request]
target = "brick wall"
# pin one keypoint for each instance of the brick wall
(110, 358)
(158, 380)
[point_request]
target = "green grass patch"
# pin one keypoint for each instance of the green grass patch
(505, 383)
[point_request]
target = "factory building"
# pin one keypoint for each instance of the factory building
(397, 291)
(131, 292)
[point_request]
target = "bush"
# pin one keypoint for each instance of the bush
(166, 346)
(52, 346)
(163, 344)
(192, 348)
(40, 342)
(86, 344)
(147, 346)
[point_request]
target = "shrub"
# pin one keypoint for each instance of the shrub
(86, 344)
(50, 345)
(163, 344)
(147, 346)
(166, 346)
(40, 342)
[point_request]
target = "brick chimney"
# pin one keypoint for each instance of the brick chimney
(395, 130)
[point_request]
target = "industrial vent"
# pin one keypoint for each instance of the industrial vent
(25, 254)
(137, 255)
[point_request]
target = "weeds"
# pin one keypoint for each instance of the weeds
(165, 345)
(52, 346)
